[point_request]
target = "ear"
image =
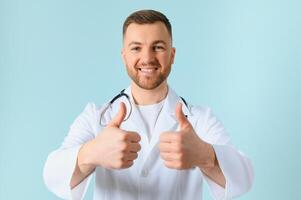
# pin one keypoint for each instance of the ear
(173, 54)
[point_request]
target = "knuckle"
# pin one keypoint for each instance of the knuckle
(160, 147)
(137, 136)
(136, 147)
(123, 137)
(162, 156)
(139, 147)
(129, 164)
(123, 146)
(119, 164)
(163, 136)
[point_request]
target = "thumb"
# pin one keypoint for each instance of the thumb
(118, 119)
(183, 121)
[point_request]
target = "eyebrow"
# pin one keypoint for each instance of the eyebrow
(139, 43)
(159, 41)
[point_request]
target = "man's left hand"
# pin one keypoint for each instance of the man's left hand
(184, 149)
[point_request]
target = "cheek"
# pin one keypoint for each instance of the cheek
(131, 61)
(165, 60)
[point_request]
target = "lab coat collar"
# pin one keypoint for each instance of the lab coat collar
(135, 120)
(170, 102)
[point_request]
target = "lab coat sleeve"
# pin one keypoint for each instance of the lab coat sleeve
(60, 164)
(236, 167)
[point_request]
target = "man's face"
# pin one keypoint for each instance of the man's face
(148, 54)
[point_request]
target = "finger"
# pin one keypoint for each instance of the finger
(118, 119)
(170, 147)
(168, 137)
(131, 156)
(132, 136)
(174, 165)
(134, 147)
(183, 121)
(127, 164)
(168, 156)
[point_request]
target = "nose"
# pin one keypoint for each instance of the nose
(147, 56)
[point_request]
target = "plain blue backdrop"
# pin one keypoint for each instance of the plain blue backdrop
(242, 58)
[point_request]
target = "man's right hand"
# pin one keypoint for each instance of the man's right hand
(113, 148)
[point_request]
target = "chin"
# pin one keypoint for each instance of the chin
(150, 85)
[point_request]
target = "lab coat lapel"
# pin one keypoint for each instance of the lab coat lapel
(134, 122)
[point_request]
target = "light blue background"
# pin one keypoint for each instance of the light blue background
(242, 58)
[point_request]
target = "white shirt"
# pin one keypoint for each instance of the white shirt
(149, 178)
(150, 114)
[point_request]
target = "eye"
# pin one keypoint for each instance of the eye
(135, 49)
(158, 48)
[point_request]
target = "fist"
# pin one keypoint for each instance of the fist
(115, 148)
(183, 149)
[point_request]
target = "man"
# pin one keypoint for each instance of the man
(153, 145)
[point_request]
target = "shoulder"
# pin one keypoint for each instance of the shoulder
(89, 118)
(91, 112)
(199, 111)
(92, 108)
(203, 116)
(208, 126)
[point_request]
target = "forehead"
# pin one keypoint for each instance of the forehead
(146, 33)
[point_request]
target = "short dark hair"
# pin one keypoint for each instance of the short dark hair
(147, 17)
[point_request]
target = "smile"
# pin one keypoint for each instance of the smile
(147, 70)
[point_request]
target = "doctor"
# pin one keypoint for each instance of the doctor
(149, 144)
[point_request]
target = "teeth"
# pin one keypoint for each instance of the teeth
(147, 70)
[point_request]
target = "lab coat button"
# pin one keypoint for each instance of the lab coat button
(144, 173)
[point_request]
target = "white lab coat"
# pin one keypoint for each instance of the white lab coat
(148, 178)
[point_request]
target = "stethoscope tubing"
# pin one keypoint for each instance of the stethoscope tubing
(119, 95)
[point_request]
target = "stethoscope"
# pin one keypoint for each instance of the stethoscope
(122, 94)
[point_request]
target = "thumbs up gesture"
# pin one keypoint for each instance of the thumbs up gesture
(114, 148)
(184, 149)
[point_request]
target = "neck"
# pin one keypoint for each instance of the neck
(148, 97)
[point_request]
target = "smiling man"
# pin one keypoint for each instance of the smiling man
(149, 143)
(148, 54)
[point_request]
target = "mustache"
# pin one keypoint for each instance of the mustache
(151, 64)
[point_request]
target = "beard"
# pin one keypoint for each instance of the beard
(148, 82)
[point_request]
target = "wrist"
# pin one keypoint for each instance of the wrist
(208, 159)
(84, 159)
